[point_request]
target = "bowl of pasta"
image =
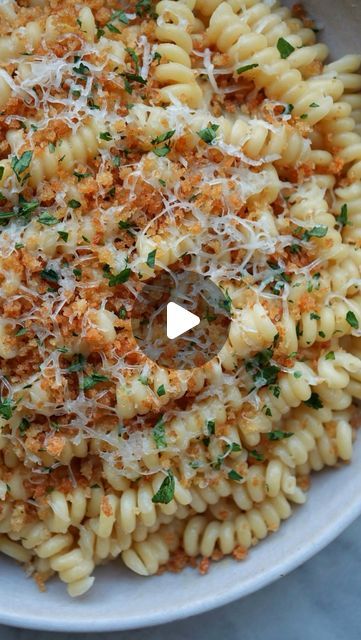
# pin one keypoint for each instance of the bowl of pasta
(217, 137)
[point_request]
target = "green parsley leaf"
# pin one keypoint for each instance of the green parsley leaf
(81, 176)
(233, 475)
(51, 147)
(74, 204)
(120, 277)
(47, 219)
(352, 320)
(165, 492)
(163, 137)
(314, 316)
(93, 379)
(2, 169)
(285, 48)
(314, 105)
(279, 435)
(211, 427)
(49, 275)
(161, 390)
(23, 426)
(297, 375)
(6, 409)
(81, 70)
(161, 152)
(342, 219)
(105, 135)
(288, 109)
(233, 448)
(112, 28)
(63, 235)
(247, 67)
(151, 259)
(318, 231)
(314, 401)
(209, 133)
(142, 7)
(144, 380)
(262, 371)
(21, 332)
(120, 16)
(134, 56)
(158, 433)
(78, 363)
(256, 455)
(19, 165)
(330, 355)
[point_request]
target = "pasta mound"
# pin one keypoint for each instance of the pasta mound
(199, 133)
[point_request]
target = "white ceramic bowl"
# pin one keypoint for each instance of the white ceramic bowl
(122, 600)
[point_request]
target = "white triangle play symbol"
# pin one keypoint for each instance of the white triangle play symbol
(179, 320)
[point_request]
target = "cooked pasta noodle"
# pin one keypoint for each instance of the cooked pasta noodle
(201, 135)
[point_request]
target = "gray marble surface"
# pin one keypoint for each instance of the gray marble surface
(319, 601)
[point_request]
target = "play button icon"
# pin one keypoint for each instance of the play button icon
(180, 319)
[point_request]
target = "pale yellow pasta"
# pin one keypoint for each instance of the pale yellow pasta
(211, 136)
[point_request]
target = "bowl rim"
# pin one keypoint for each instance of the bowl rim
(238, 590)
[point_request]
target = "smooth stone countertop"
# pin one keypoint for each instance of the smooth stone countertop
(320, 600)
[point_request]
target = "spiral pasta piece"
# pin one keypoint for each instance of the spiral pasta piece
(202, 537)
(275, 75)
(174, 72)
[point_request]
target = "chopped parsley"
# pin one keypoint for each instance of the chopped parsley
(78, 363)
(142, 7)
(161, 152)
(165, 492)
(247, 67)
(330, 355)
(105, 135)
(81, 70)
(279, 435)
(19, 165)
(93, 379)
(261, 370)
(164, 137)
(285, 48)
(342, 219)
(50, 275)
(318, 231)
(151, 259)
(161, 390)
(47, 219)
(314, 401)
(74, 204)
(81, 176)
(134, 56)
(158, 433)
(120, 278)
(256, 455)
(352, 320)
(63, 235)
(233, 475)
(209, 133)
(211, 427)
(6, 409)
(23, 426)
